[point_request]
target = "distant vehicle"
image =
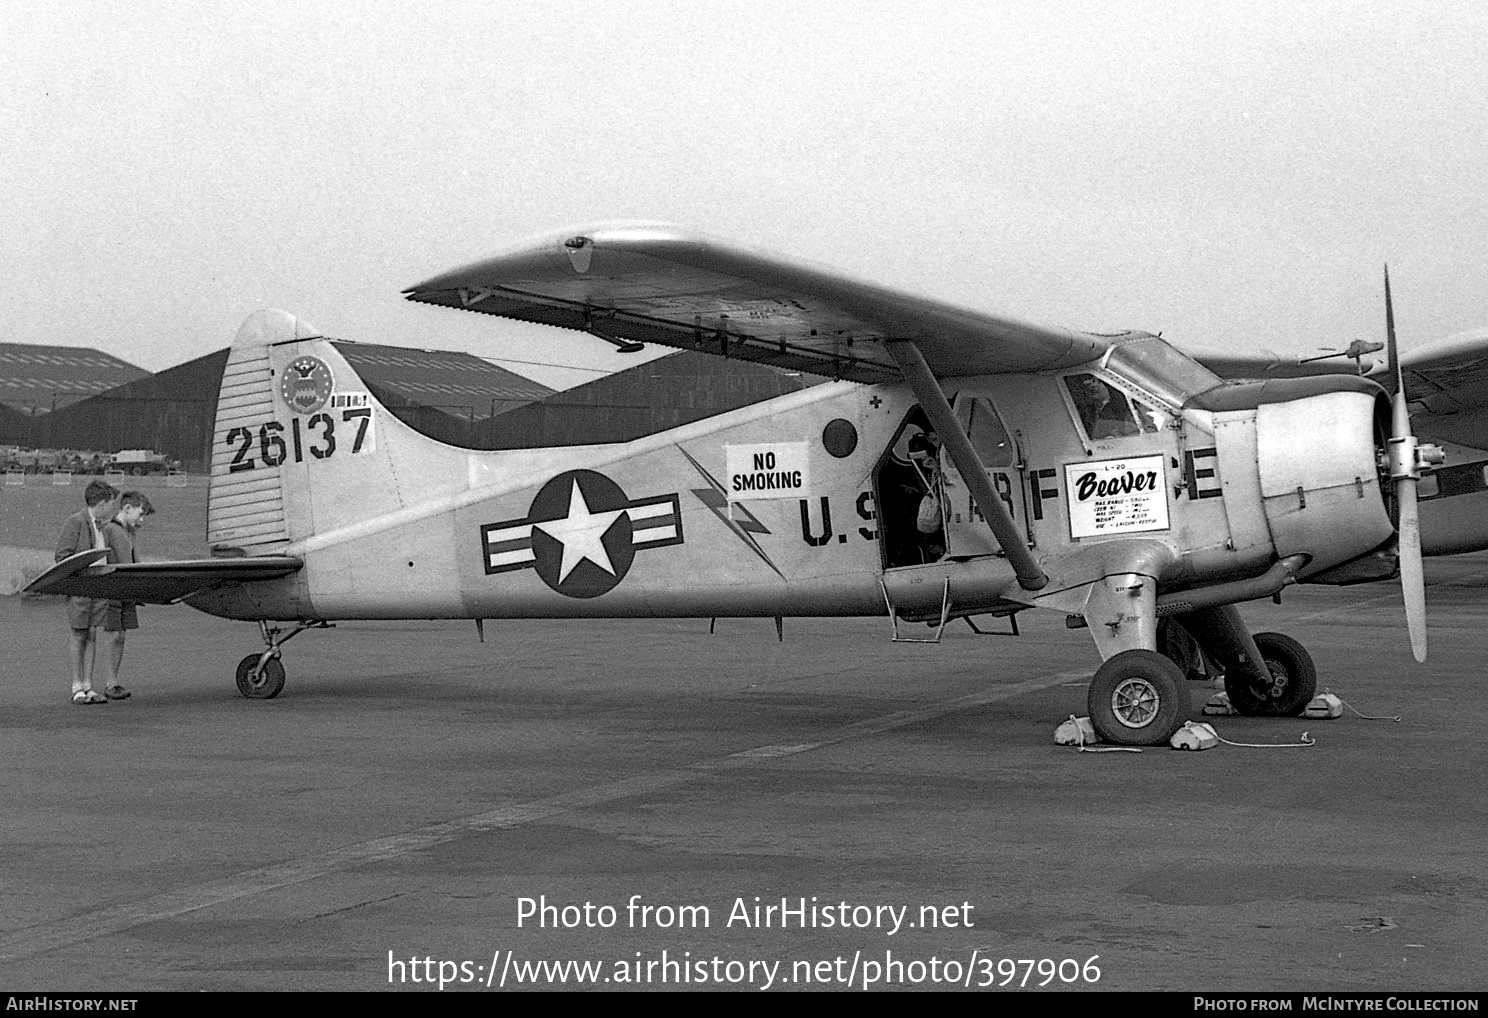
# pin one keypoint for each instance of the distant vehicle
(141, 461)
(35, 461)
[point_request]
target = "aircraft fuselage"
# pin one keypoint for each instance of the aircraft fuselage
(802, 505)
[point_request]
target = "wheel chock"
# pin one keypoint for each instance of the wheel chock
(1075, 732)
(1324, 706)
(1219, 705)
(1194, 735)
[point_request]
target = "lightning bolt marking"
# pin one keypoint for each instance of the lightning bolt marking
(716, 499)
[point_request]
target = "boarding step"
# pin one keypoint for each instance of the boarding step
(944, 616)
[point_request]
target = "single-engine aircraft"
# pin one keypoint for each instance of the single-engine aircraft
(960, 464)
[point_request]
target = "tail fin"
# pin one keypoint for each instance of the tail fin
(301, 448)
(245, 503)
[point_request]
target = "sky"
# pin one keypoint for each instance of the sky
(1230, 175)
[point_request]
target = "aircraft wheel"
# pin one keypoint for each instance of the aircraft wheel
(1291, 686)
(260, 684)
(1138, 698)
(1178, 645)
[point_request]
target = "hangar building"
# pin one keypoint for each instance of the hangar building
(442, 394)
(665, 393)
(37, 379)
(453, 397)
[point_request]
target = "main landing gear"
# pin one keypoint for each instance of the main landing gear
(1265, 675)
(1140, 695)
(1138, 698)
(1285, 691)
(261, 676)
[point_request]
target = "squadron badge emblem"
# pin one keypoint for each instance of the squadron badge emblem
(305, 385)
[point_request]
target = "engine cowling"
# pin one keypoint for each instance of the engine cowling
(1317, 460)
(1300, 460)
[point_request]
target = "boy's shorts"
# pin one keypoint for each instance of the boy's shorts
(120, 616)
(86, 612)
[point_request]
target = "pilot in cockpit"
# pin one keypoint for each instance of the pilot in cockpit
(1103, 410)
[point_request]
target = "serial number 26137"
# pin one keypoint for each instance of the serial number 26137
(272, 444)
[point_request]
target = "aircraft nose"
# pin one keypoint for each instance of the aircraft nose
(1316, 460)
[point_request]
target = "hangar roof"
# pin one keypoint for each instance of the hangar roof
(459, 382)
(38, 379)
(665, 393)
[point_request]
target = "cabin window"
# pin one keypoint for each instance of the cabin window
(988, 437)
(1104, 410)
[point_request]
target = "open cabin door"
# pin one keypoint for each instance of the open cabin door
(967, 532)
(906, 492)
(925, 510)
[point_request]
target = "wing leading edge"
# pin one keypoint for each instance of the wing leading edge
(1449, 375)
(660, 284)
(83, 575)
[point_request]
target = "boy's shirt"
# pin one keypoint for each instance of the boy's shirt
(80, 531)
(120, 542)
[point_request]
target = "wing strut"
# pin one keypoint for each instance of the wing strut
(933, 400)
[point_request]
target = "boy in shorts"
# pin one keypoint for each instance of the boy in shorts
(122, 535)
(81, 531)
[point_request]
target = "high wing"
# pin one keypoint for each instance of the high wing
(1447, 380)
(634, 283)
(82, 575)
(1258, 363)
(651, 283)
(1448, 385)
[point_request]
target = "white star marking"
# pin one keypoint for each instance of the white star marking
(581, 533)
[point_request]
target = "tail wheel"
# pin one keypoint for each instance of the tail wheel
(1138, 698)
(1285, 691)
(260, 683)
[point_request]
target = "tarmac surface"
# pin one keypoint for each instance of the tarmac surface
(379, 825)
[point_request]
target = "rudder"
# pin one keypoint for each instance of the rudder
(245, 500)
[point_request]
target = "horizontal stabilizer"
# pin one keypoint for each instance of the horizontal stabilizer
(80, 575)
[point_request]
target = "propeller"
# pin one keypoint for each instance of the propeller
(1405, 472)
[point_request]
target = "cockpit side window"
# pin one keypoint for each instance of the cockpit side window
(988, 437)
(1104, 410)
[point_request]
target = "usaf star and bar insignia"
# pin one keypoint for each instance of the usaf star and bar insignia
(581, 533)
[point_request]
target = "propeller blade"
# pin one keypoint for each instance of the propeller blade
(1412, 573)
(1392, 373)
(1405, 472)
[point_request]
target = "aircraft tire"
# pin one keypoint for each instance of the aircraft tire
(1293, 680)
(267, 684)
(1138, 698)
